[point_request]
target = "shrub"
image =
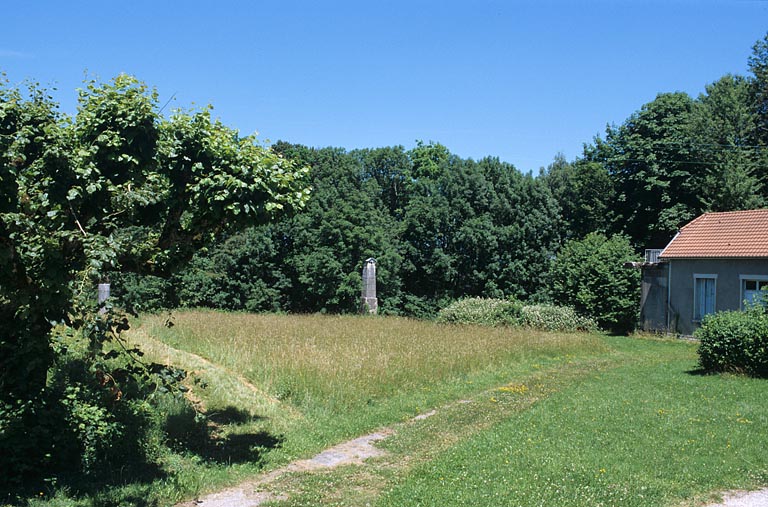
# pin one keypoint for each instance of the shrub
(501, 312)
(103, 403)
(138, 293)
(589, 275)
(556, 318)
(98, 417)
(488, 312)
(735, 341)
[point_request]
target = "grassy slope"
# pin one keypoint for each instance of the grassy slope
(554, 419)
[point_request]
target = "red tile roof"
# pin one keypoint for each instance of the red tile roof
(733, 234)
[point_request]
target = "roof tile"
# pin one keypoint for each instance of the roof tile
(732, 234)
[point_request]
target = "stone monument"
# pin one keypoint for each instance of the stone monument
(369, 302)
(103, 296)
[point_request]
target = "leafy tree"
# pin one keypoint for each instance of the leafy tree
(477, 229)
(426, 229)
(589, 275)
(118, 187)
(312, 262)
(244, 272)
(584, 191)
(142, 293)
(392, 169)
(428, 266)
(528, 231)
(345, 222)
(429, 159)
(724, 129)
(654, 167)
(758, 65)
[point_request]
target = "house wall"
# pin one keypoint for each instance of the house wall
(727, 287)
(653, 298)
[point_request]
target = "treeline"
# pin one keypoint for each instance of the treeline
(440, 227)
(443, 227)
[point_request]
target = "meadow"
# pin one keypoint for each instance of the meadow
(522, 417)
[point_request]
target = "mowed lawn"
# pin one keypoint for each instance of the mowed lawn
(651, 431)
(544, 419)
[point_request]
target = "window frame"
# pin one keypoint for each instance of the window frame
(742, 283)
(699, 276)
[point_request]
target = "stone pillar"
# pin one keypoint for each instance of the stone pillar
(369, 302)
(103, 295)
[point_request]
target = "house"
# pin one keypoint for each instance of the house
(718, 261)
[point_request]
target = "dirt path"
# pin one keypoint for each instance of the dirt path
(757, 498)
(253, 493)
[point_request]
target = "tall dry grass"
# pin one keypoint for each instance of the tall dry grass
(345, 360)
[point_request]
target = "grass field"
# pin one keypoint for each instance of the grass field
(648, 432)
(546, 419)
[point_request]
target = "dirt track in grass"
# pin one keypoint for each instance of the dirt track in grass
(254, 493)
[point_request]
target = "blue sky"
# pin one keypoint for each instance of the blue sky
(521, 80)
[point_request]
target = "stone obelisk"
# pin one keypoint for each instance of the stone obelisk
(369, 302)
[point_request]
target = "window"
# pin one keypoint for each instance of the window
(753, 289)
(703, 295)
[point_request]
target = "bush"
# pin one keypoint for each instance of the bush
(76, 427)
(556, 318)
(488, 312)
(735, 341)
(98, 418)
(502, 312)
(244, 272)
(589, 275)
(138, 293)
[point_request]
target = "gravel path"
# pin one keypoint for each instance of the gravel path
(757, 498)
(252, 494)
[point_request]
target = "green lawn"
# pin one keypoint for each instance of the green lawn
(523, 417)
(648, 432)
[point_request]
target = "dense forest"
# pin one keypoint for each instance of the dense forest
(443, 227)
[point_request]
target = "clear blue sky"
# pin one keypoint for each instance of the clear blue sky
(521, 80)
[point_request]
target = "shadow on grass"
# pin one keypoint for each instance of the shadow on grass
(217, 438)
(103, 489)
(735, 372)
(232, 415)
(220, 438)
(239, 448)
